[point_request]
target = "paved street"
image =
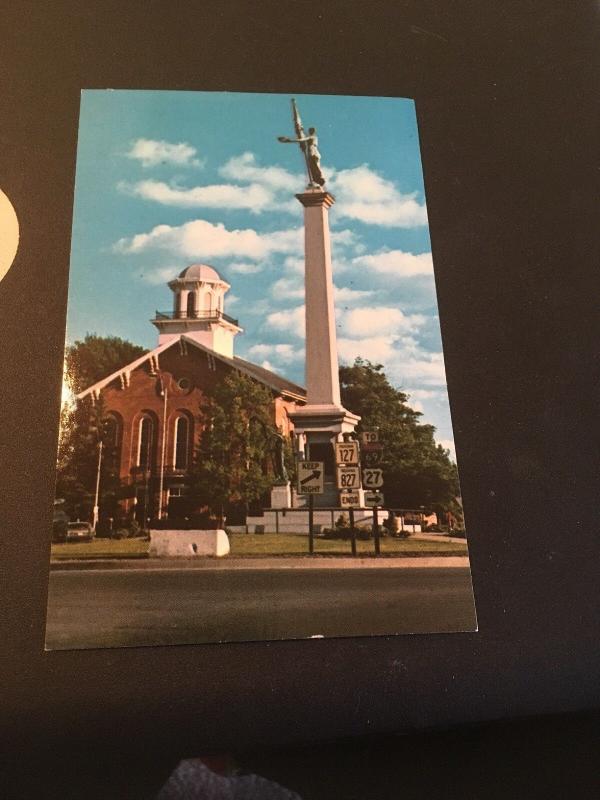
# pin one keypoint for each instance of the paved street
(120, 608)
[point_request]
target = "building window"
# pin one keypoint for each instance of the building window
(191, 304)
(181, 438)
(111, 439)
(145, 437)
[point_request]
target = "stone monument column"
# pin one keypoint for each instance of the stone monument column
(323, 420)
(322, 379)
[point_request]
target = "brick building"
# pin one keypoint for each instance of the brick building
(151, 406)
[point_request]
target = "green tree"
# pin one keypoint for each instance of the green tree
(86, 362)
(233, 467)
(417, 470)
(96, 357)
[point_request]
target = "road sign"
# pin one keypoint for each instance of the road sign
(310, 477)
(369, 437)
(373, 499)
(349, 499)
(346, 452)
(372, 457)
(372, 478)
(348, 478)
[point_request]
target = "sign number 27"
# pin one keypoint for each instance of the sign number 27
(372, 478)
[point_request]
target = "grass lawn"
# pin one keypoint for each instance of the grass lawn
(266, 544)
(101, 548)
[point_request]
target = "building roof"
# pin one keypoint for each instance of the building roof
(269, 378)
(200, 272)
(262, 375)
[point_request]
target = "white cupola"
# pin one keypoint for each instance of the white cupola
(198, 301)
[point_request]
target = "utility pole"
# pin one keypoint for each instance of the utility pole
(162, 453)
(97, 495)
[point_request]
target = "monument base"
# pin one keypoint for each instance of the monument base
(178, 543)
(295, 520)
(319, 426)
(281, 496)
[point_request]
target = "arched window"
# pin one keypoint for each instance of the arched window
(145, 443)
(191, 304)
(181, 443)
(111, 440)
(208, 301)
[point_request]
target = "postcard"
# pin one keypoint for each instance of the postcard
(255, 438)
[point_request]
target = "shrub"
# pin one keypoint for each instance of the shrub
(342, 522)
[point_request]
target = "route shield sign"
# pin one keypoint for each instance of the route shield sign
(346, 452)
(372, 478)
(373, 499)
(372, 457)
(310, 477)
(348, 478)
(349, 499)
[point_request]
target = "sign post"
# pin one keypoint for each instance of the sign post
(348, 481)
(373, 479)
(376, 530)
(311, 527)
(310, 482)
(352, 531)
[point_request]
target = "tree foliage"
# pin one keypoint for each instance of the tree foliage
(96, 357)
(417, 471)
(233, 465)
(86, 362)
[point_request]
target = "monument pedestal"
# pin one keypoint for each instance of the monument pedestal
(319, 427)
(281, 496)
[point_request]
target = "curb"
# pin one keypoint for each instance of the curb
(306, 562)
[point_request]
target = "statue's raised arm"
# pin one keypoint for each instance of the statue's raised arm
(309, 145)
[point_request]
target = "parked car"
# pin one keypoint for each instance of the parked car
(60, 524)
(79, 531)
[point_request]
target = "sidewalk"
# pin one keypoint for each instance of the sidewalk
(295, 562)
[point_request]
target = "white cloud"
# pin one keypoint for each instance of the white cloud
(287, 288)
(256, 308)
(289, 321)
(423, 394)
(359, 322)
(370, 348)
(151, 152)
(340, 240)
(294, 264)
(406, 363)
(160, 275)
(245, 168)
(204, 240)
(397, 263)
(254, 198)
(426, 370)
(279, 352)
(344, 294)
(364, 195)
(244, 268)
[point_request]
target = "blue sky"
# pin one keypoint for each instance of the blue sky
(166, 179)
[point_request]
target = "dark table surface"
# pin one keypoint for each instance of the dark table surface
(546, 757)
